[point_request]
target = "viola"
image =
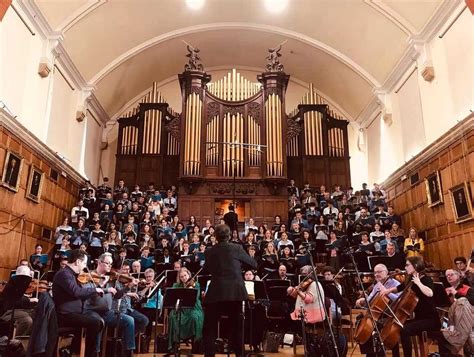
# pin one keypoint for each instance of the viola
(122, 278)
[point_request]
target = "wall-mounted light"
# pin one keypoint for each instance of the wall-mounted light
(276, 6)
(195, 4)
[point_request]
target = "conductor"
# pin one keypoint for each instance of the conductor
(226, 290)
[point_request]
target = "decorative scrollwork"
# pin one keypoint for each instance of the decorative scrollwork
(213, 109)
(254, 110)
(240, 188)
(270, 91)
(274, 64)
(233, 110)
(194, 62)
(292, 129)
(173, 127)
(199, 91)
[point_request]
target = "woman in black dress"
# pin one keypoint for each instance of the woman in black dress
(426, 316)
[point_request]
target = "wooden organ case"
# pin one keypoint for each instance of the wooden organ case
(232, 140)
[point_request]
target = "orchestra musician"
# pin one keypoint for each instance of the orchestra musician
(467, 274)
(148, 306)
(226, 291)
(69, 295)
(310, 298)
(383, 281)
(140, 320)
(426, 316)
(452, 338)
(191, 320)
(23, 309)
(106, 304)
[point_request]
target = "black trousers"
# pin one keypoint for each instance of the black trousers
(414, 328)
(91, 321)
(212, 314)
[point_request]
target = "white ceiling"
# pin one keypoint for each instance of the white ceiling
(346, 48)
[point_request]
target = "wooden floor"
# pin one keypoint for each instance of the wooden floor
(288, 351)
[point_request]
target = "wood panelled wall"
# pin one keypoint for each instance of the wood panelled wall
(19, 237)
(453, 156)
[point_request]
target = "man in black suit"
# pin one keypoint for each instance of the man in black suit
(226, 291)
(231, 218)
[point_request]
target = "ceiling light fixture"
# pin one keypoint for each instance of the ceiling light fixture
(195, 4)
(276, 6)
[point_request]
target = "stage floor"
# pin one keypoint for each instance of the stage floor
(288, 351)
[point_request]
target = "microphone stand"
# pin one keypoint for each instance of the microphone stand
(377, 341)
(303, 329)
(321, 301)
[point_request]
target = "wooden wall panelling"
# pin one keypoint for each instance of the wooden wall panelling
(56, 201)
(453, 156)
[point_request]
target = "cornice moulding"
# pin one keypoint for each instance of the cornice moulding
(368, 114)
(40, 148)
(462, 127)
(34, 14)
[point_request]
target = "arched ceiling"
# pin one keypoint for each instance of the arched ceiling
(347, 48)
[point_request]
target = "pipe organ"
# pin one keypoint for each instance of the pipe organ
(232, 139)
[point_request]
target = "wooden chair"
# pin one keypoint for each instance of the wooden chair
(65, 336)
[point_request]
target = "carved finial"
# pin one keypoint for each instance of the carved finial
(194, 61)
(274, 64)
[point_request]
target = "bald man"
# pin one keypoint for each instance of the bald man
(382, 282)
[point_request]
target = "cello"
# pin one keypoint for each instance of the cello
(401, 310)
(365, 326)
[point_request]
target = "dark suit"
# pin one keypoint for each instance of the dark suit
(231, 219)
(225, 293)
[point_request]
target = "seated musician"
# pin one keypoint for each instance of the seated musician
(23, 309)
(395, 260)
(149, 307)
(460, 316)
(140, 320)
(309, 299)
(426, 316)
(69, 295)
(467, 273)
(329, 274)
(258, 317)
(106, 305)
(383, 281)
(191, 320)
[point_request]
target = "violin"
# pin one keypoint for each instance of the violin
(38, 286)
(122, 278)
(303, 286)
(93, 277)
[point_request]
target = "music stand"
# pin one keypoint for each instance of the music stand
(277, 282)
(440, 298)
(13, 292)
(178, 299)
(171, 277)
(260, 295)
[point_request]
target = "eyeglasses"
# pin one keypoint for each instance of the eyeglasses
(379, 271)
(107, 263)
(451, 274)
